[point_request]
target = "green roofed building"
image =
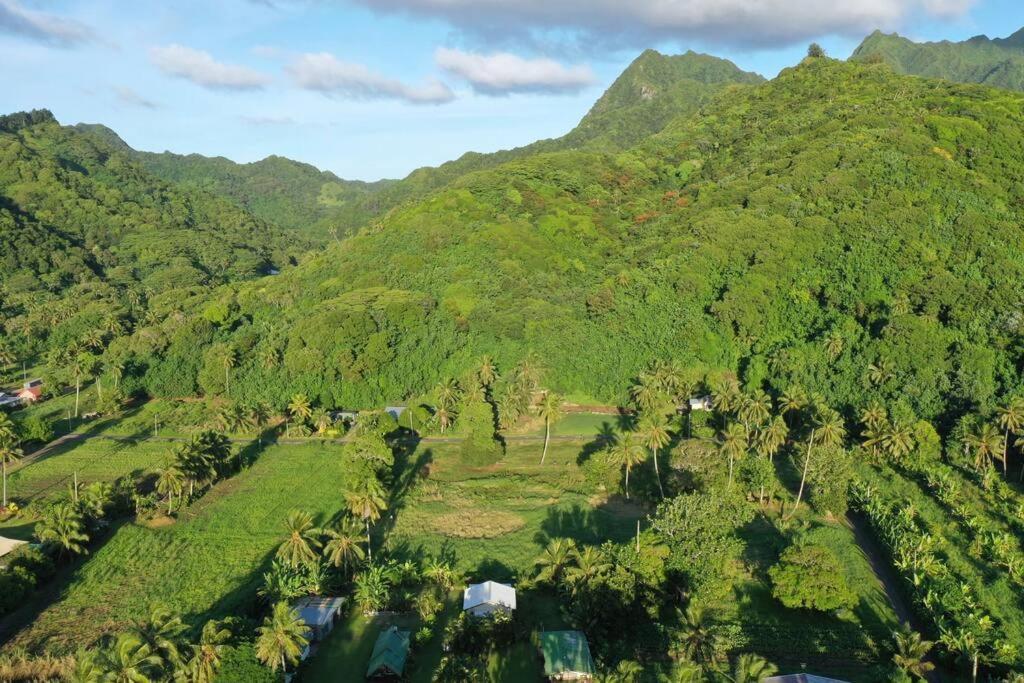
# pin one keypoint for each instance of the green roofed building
(566, 656)
(389, 654)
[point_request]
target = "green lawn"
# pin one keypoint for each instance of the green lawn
(207, 564)
(93, 460)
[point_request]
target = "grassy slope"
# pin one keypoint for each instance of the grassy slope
(207, 564)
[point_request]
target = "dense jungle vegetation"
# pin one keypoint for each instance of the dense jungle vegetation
(841, 227)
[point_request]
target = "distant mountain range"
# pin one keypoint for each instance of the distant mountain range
(997, 62)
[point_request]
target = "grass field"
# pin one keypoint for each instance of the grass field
(209, 563)
(93, 460)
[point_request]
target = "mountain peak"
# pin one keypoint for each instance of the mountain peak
(23, 119)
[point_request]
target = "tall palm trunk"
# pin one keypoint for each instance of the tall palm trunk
(99, 387)
(78, 392)
(547, 437)
(657, 474)
(803, 477)
(627, 482)
(369, 545)
(1006, 448)
(4, 463)
(730, 468)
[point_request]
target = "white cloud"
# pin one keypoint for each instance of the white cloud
(202, 69)
(325, 73)
(744, 23)
(267, 120)
(502, 73)
(130, 97)
(42, 27)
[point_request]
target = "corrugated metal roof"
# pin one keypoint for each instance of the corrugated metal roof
(566, 651)
(489, 593)
(389, 653)
(801, 678)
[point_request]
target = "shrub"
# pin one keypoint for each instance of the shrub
(810, 576)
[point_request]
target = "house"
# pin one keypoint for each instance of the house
(389, 655)
(32, 391)
(8, 401)
(566, 656)
(8, 545)
(346, 416)
(395, 411)
(319, 615)
(801, 678)
(700, 403)
(481, 599)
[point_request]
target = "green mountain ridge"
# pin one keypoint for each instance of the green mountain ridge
(995, 62)
(299, 197)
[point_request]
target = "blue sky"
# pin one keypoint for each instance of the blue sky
(377, 88)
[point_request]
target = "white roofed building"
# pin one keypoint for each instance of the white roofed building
(481, 599)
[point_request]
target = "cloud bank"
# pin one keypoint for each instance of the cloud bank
(42, 27)
(737, 23)
(323, 72)
(202, 69)
(503, 73)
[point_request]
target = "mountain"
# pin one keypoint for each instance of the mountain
(289, 194)
(997, 62)
(796, 232)
(86, 233)
(654, 89)
(298, 197)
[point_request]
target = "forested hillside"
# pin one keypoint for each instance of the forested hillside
(285, 193)
(818, 229)
(89, 241)
(998, 62)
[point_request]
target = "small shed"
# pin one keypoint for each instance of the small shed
(32, 391)
(9, 545)
(481, 599)
(8, 401)
(566, 656)
(389, 655)
(801, 678)
(704, 403)
(395, 411)
(319, 614)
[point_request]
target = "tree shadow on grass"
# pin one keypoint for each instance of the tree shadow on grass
(610, 521)
(606, 436)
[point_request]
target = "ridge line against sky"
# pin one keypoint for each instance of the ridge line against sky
(377, 88)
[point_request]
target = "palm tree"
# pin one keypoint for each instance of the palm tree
(984, 441)
(170, 482)
(897, 440)
(9, 451)
(590, 563)
(654, 433)
(321, 420)
(206, 655)
(645, 392)
(162, 634)
(62, 526)
(627, 671)
(303, 539)
(1011, 419)
(129, 660)
(448, 393)
(873, 416)
(751, 668)
(444, 417)
(228, 361)
(879, 372)
(696, 639)
(733, 444)
(554, 560)
(756, 410)
(299, 409)
(550, 410)
(282, 638)
(487, 372)
(367, 502)
(726, 396)
(793, 400)
(911, 651)
(342, 548)
(829, 428)
(772, 438)
(625, 452)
